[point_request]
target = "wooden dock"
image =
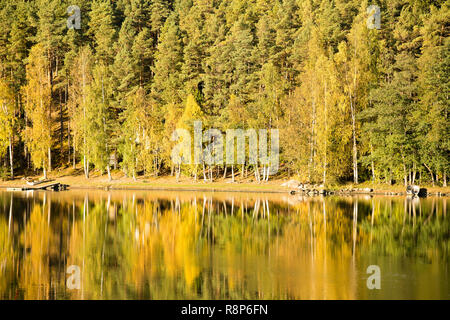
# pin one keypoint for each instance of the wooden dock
(51, 186)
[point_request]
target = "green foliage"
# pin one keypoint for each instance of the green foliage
(37, 135)
(4, 173)
(351, 103)
(7, 116)
(99, 118)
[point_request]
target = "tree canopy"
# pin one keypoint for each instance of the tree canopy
(352, 103)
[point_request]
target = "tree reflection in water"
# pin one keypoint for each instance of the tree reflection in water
(168, 245)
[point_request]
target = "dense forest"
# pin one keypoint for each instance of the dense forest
(351, 103)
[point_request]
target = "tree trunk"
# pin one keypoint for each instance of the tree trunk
(157, 166)
(444, 177)
(372, 164)
(204, 172)
(69, 157)
(257, 173)
(355, 150)
(11, 163)
(86, 166)
(405, 176)
(431, 173)
(225, 172)
(74, 160)
(325, 160)
(232, 173)
(49, 160)
(108, 168)
(178, 171)
(61, 123)
(353, 111)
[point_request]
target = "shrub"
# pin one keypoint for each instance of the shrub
(4, 174)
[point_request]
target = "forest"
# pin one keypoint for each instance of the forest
(351, 103)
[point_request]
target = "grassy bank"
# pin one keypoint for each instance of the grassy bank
(76, 180)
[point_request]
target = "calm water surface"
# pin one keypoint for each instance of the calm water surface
(195, 245)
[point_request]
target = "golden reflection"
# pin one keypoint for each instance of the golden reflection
(153, 245)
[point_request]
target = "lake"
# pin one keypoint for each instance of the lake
(92, 244)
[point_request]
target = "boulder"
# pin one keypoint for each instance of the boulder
(291, 184)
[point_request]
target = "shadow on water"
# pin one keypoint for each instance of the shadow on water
(195, 245)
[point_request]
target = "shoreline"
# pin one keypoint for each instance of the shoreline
(119, 182)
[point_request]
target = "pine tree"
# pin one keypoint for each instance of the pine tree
(101, 29)
(218, 66)
(78, 90)
(434, 88)
(388, 126)
(160, 10)
(99, 119)
(242, 80)
(18, 45)
(37, 94)
(51, 24)
(168, 61)
(193, 24)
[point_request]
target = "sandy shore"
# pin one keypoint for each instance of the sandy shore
(119, 182)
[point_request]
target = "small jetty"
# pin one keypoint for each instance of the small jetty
(41, 185)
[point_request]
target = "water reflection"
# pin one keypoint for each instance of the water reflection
(155, 245)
